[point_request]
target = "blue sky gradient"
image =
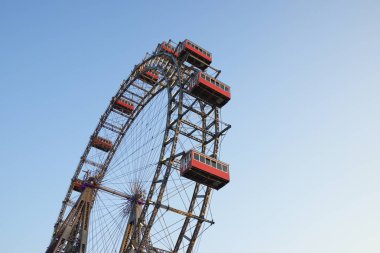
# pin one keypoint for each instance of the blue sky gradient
(305, 113)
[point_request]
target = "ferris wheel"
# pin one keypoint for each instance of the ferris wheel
(145, 180)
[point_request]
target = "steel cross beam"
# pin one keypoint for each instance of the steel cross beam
(169, 208)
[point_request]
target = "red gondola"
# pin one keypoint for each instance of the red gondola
(204, 169)
(210, 89)
(125, 106)
(149, 76)
(166, 47)
(102, 144)
(78, 185)
(198, 57)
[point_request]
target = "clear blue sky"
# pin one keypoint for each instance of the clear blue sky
(304, 147)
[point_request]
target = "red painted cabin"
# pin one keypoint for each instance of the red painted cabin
(149, 76)
(102, 144)
(198, 56)
(78, 185)
(166, 47)
(210, 89)
(125, 106)
(204, 169)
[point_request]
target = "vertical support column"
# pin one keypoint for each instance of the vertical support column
(132, 225)
(72, 235)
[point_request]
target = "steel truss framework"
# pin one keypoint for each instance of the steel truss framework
(160, 211)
